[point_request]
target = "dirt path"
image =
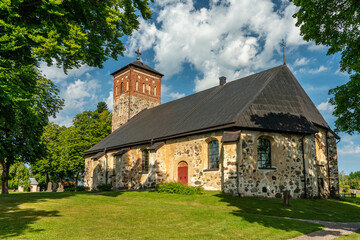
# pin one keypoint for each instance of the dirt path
(331, 230)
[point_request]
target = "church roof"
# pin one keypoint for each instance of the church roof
(272, 100)
(141, 65)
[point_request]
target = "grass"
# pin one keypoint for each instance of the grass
(152, 215)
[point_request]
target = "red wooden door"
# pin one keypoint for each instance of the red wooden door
(183, 173)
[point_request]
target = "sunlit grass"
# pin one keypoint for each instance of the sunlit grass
(151, 215)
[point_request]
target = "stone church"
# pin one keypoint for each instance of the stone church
(252, 137)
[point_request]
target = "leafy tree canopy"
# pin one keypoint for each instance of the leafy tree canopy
(70, 33)
(336, 24)
(64, 146)
(22, 126)
(19, 175)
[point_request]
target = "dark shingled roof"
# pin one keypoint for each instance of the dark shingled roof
(271, 100)
(139, 64)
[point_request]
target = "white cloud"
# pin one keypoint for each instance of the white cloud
(221, 40)
(176, 95)
(311, 88)
(301, 62)
(109, 101)
(62, 120)
(80, 94)
(326, 106)
(57, 75)
(348, 145)
(322, 68)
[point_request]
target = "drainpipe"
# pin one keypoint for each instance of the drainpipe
(129, 95)
(239, 157)
(105, 166)
(304, 170)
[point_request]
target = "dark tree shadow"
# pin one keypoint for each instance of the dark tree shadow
(15, 220)
(255, 211)
(283, 122)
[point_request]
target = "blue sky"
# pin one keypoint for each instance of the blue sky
(194, 42)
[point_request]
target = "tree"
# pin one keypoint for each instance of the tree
(21, 129)
(64, 146)
(70, 33)
(45, 165)
(19, 176)
(101, 106)
(89, 128)
(335, 23)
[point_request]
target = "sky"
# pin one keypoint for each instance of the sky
(194, 42)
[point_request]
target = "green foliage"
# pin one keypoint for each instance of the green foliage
(19, 175)
(347, 188)
(71, 33)
(347, 101)
(104, 187)
(101, 106)
(22, 123)
(64, 146)
(336, 24)
(352, 180)
(178, 188)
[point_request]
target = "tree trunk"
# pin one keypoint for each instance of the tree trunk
(76, 181)
(5, 177)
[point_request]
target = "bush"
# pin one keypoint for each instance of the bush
(104, 187)
(178, 188)
(347, 188)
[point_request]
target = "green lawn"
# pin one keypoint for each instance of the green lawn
(352, 236)
(151, 215)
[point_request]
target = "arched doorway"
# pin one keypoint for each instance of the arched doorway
(183, 173)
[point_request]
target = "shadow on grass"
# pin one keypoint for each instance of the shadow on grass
(15, 220)
(323, 209)
(107, 194)
(268, 212)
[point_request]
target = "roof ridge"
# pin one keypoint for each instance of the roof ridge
(261, 90)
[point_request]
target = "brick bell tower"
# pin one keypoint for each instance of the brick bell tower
(136, 87)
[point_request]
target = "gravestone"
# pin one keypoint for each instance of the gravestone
(286, 195)
(60, 188)
(21, 188)
(49, 187)
(54, 187)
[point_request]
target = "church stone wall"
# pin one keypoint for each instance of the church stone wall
(238, 172)
(287, 166)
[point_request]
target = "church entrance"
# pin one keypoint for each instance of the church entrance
(183, 173)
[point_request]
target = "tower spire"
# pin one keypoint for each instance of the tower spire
(283, 45)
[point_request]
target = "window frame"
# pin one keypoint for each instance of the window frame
(263, 163)
(213, 155)
(145, 161)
